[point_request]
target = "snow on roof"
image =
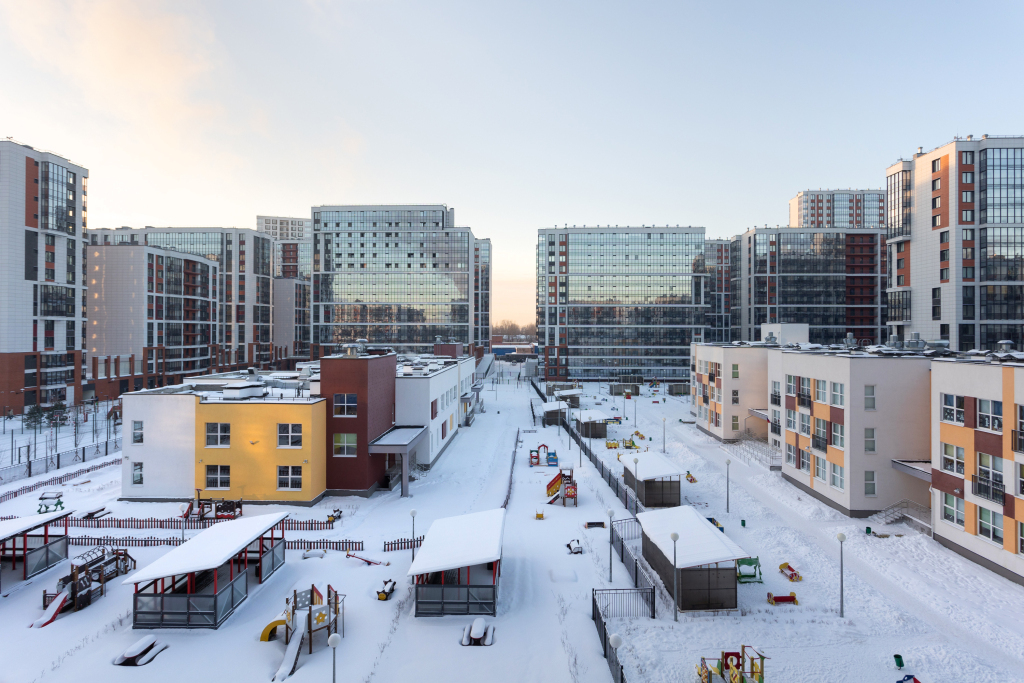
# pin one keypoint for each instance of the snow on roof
(398, 436)
(651, 465)
(209, 548)
(463, 541)
(569, 392)
(590, 416)
(552, 406)
(700, 541)
(22, 525)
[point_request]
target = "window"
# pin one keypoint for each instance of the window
(869, 439)
(820, 468)
(936, 184)
(967, 196)
(952, 458)
(968, 273)
(967, 234)
(838, 479)
(936, 202)
(735, 397)
(805, 424)
(805, 460)
(943, 275)
(869, 397)
(791, 420)
(289, 477)
(136, 474)
(820, 428)
(289, 436)
(735, 423)
(137, 431)
(967, 177)
(944, 331)
(869, 483)
(805, 386)
(966, 157)
(790, 454)
(345, 405)
(433, 409)
(345, 445)
(218, 476)
(990, 525)
(775, 417)
(838, 435)
(791, 385)
(735, 371)
(943, 254)
(990, 467)
(775, 387)
(952, 408)
(937, 220)
(901, 280)
(936, 165)
(943, 238)
(936, 303)
(218, 434)
(901, 247)
(990, 415)
(820, 390)
(838, 393)
(952, 509)
(900, 264)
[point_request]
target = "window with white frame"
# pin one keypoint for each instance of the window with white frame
(218, 477)
(735, 397)
(289, 435)
(735, 423)
(820, 428)
(990, 415)
(820, 390)
(791, 385)
(838, 393)
(790, 419)
(345, 445)
(1020, 478)
(869, 439)
(805, 424)
(218, 434)
(952, 409)
(776, 416)
(136, 474)
(805, 386)
(289, 477)
(735, 371)
(790, 454)
(838, 435)
(345, 405)
(952, 458)
(869, 397)
(990, 467)
(820, 468)
(137, 431)
(952, 509)
(990, 525)
(775, 387)
(838, 479)
(869, 483)
(805, 460)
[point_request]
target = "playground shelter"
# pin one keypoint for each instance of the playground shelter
(570, 396)
(705, 557)
(553, 410)
(38, 551)
(201, 582)
(660, 487)
(591, 424)
(457, 569)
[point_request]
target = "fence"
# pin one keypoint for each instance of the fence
(610, 652)
(627, 530)
(751, 448)
(629, 603)
(149, 541)
(621, 491)
(176, 523)
(403, 544)
(511, 471)
(53, 481)
(55, 461)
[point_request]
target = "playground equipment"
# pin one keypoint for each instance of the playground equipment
(306, 612)
(386, 592)
(50, 501)
(776, 599)
(141, 653)
(613, 421)
(909, 678)
(87, 581)
(562, 486)
(748, 570)
(334, 516)
(717, 524)
(318, 553)
(574, 547)
(534, 457)
(629, 444)
(637, 433)
(790, 572)
(690, 478)
(367, 561)
(611, 444)
(744, 666)
(539, 514)
(552, 459)
(213, 508)
(478, 633)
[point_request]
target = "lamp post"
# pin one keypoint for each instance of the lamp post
(662, 435)
(636, 479)
(727, 463)
(611, 544)
(841, 537)
(412, 513)
(184, 508)
(675, 578)
(334, 640)
(634, 410)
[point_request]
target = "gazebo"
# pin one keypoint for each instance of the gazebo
(457, 569)
(201, 582)
(659, 476)
(591, 424)
(705, 558)
(553, 411)
(570, 396)
(38, 551)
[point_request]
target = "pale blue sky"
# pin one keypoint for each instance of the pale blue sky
(519, 115)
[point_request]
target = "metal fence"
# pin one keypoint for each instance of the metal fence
(610, 652)
(53, 481)
(434, 600)
(132, 542)
(627, 530)
(511, 472)
(621, 491)
(33, 466)
(45, 556)
(172, 610)
(628, 603)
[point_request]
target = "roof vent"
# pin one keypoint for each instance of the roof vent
(1004, 345)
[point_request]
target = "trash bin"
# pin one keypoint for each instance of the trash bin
(899, 661)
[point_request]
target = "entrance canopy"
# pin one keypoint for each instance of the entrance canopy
(651, 465)
(401, 440)
(463, 541)
(10, 528)
(700, 542)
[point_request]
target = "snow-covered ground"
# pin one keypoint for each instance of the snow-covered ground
(950, 619)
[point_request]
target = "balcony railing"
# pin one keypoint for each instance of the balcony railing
(777, 429)
(776, 399)
(819, 442)
(711, 377)
(1018, 442)
(804, 400)
(988, 489)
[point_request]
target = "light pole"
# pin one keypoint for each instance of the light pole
(615, 642)
(727, 463)
(184, 509)
(662, 435)
(636, 479)
(334, 640)
(841, 537)
(412, 513)
(675, 578)
(611, 514)
(634, 410)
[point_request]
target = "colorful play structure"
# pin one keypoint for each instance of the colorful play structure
(690, 478)
(748, 570)
(638, 434)
(629, 443)
(611, 444)
(87, 581)
(305, 614)
(562, 487)
(387, 591)
(368, 561)
(745, 666)
(550, 457)
(213, 508)
(717, 524)
(790, 572)
(50, 501)
(778, 599)
(613, 421)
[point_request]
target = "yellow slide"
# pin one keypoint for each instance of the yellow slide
(270, 628)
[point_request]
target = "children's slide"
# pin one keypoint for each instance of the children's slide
(52, 611)
(291, 659)
(555, 484)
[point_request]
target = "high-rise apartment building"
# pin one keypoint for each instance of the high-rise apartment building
(42, 277)
(400, 275)
(956, 243)
(291, 327)
(614, 301)
(243, 257)
(718, 294)
(832, 279)
(842, 209)
(285, 228)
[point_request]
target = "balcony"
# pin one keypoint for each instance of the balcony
(1017, 442)
(776, 399)
(988, 489)
(804, 400)
(777, 429)
(820, 443)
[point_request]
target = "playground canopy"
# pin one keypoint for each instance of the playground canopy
(700, 541)
(209, 549)
(569, 392)
(463, 541)
(552, 406)
(39, 552)
(590, 416)
(9, 528)
(651, 465)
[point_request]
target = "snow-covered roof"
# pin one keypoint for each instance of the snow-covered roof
(569, 392)
(463, 541)
(590, 416)
(209, 548)
(398, 436)
(700, 541)
(23, 525)
(651, 465)
(552, 406)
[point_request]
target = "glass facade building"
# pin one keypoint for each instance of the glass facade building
(614, 301)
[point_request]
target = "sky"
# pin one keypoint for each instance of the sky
(519, 115)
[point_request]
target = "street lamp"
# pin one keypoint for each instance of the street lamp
(334, 640)
(412, 513)
(611, 514)
(675, 577)
(636, 479)
(841, 537)
(615, 641)
(727, 463)
(662, 435)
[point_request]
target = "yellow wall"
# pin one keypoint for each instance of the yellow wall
(254, 465)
